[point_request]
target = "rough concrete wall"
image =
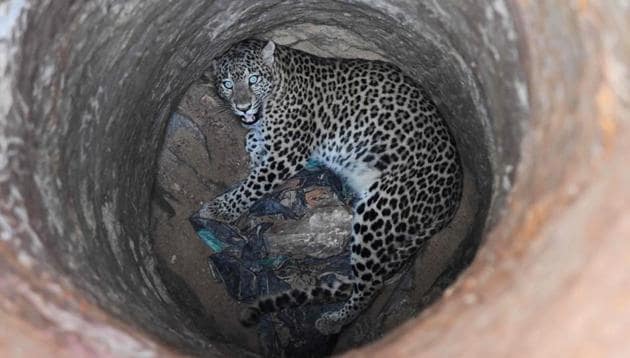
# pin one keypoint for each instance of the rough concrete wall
(86, 87)
(80, 130)
(553, 279)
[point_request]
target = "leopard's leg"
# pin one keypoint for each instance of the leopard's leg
(272, 170)
(255, 148)
(366, 282)
(382, 242)
(337, 290)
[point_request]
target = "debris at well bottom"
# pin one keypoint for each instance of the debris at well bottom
(270, 251)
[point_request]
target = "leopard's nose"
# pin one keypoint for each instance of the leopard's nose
(244, 107)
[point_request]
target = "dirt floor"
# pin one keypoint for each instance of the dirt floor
(203, 154)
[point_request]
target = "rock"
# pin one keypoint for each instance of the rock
(321, 232)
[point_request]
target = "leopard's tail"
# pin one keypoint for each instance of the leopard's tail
(325, 293)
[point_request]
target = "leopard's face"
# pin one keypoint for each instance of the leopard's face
(244, 78)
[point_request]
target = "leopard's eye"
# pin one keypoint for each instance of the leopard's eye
(253, 79)
(228, 84)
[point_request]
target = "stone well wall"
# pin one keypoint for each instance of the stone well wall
(536, 94)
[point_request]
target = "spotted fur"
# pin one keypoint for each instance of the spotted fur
(372, 125)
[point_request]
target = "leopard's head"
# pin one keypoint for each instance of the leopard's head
(244, 77)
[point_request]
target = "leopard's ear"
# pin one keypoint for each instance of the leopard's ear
(215, 66)
(267, 53)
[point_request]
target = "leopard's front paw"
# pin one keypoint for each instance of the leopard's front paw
(217, 210)
(329, 323)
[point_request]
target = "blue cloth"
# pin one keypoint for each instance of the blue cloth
(248, 271)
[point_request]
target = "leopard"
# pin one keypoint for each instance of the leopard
(371, 124)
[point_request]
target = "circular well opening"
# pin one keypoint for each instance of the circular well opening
(96, 156)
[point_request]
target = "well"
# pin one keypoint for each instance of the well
(535, 93)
